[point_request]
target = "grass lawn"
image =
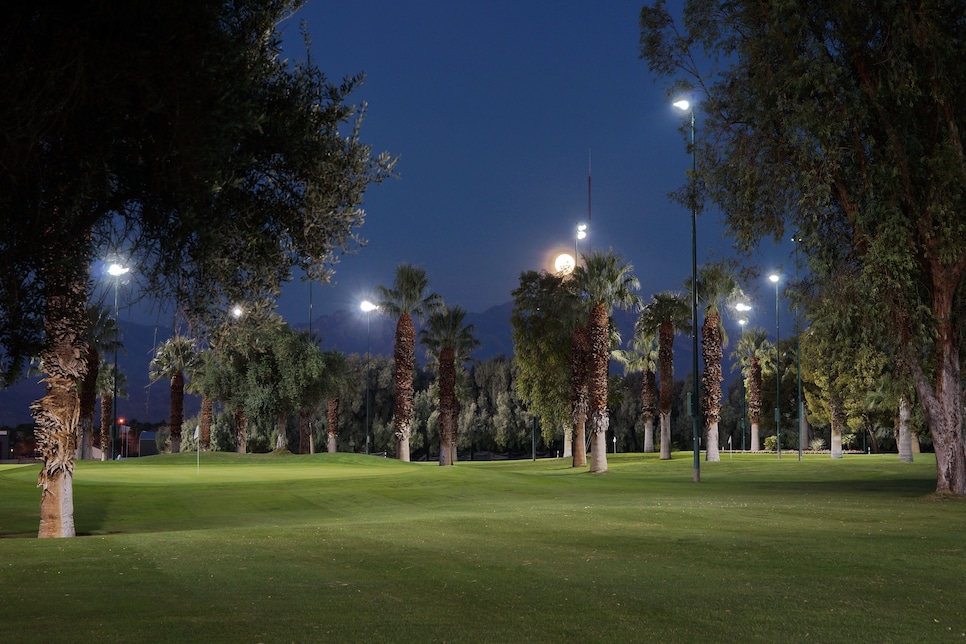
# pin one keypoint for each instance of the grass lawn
(281, 548)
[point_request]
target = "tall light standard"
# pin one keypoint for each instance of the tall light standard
(775, 278)
(368, 307)
(116, 271)
(685, 106)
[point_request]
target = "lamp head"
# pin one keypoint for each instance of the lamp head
(773, 278)
(683, 105)
(367, 306)
(117, 270)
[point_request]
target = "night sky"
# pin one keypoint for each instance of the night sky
(498, 111)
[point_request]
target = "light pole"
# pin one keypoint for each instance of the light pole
(368, 307)
(775, 278)
(115, 270)
(685, 106)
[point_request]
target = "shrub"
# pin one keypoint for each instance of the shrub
(771, 443)
(817, 444)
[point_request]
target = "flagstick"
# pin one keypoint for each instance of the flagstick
(198, 446)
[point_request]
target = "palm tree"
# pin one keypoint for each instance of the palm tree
(105, 389)
(171, 359)
(642, 357)
(607, 281)
(335, 379)
(754, 355)
(717, 288)
(199, 384)
(449, 342)
(102, 337)
(405, 299)
(664, 315)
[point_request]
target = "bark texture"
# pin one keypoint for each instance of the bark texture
(648, 408)
(711, 379)
(176, 412)
(599, 332)
(405, 360)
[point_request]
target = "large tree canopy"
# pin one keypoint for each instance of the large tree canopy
(172, 133)
(841, 122)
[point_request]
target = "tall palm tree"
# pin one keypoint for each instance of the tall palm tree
(105, 389)
(449, 342)
(335, 379)
(171, 360)
(666, 314)
(102, 337)
(717, 289)
(754, 355)
(406, 298)
(642, 356)
(607, 281)
(199, 384)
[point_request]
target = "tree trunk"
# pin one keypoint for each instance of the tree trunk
(176, 411)
(837, 419)
(107, 406)
(568, 441)
(649, 435)
(404, 354)
(402, 449)
(207, 414)
(943, 407)
(905, 436)
(711, 450)
(711, 379)
(281, 425)
(836, 442)
(88, 402)
(598, 328)
(447, 402)
(57, 414)
(580, 439)
(665, 436)
(332, 418)
(755, 440)
(241, 430)
(598, 441)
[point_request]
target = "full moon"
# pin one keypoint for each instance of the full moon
(564, 264)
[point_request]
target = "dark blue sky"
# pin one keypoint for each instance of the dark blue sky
(495, 110)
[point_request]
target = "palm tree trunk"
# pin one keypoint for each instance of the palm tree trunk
(568, 441)
(207, 414)
(580, 438)
(332, 415)
(711, 450)
(404, 354)
(57, 413)
(447, 399)
(176, 411)
(107, 406)
(649, 436)
(665, 436)
(599, 331)
(905, 436)
(241, 430)
(755, 440)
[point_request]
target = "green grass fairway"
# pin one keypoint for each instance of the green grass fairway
(334, 548)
